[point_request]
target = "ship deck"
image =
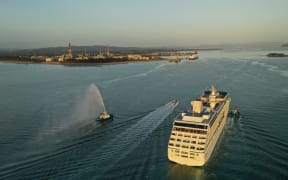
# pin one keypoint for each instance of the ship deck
(221, 94)
(204, 112)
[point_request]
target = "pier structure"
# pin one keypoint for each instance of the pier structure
(182, 54)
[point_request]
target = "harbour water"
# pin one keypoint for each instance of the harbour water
(48, 128)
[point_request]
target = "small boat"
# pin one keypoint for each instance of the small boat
(193, 56)
(175, 60)
(174, 101)
(234, 113)
(104, 116)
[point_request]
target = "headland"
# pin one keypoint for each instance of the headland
(277, 55)
(94, 55)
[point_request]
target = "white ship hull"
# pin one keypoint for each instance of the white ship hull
(218, 132)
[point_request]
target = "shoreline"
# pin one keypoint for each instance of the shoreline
(277, 55)
(79, 63)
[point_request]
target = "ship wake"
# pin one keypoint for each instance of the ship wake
(125, 142)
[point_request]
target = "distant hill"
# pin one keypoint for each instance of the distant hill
(51, 51)
(285, 45)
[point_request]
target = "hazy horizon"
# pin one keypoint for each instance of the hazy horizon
(130, 23)
(204, 46)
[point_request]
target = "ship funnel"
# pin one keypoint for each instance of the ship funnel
(213, 90)
(197, 106)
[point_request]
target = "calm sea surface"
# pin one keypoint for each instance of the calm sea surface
(48, 131)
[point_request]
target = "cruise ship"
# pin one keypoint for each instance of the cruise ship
(195, 132)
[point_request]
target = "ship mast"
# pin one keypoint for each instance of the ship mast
(212, 97)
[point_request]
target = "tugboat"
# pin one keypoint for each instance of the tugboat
(174, 101)
(104, 116)
(234, 113)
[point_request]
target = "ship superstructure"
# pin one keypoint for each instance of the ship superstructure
(196, 131)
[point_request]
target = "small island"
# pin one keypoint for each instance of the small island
(277, 55)
(285, 45)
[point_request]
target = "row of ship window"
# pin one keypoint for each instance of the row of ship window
(185, 146)
(185, 154)
(187, 141)
(188, 136)
(189, 130)
(198, 126)
(185, 135)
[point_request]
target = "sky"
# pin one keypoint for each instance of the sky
(141, 23)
